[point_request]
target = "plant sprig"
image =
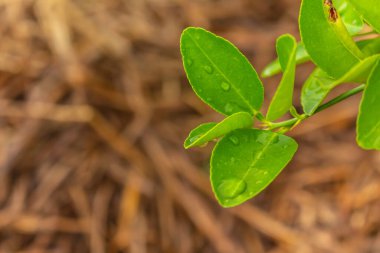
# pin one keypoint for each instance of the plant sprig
(246, 160)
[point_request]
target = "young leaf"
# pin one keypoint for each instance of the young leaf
(283, 98)
(370, 10)
(209, 131)
(326, 38)
(245, 161)
(368, 122)
(350, 17)
(319, 84)
(274, 67)
(219, 73)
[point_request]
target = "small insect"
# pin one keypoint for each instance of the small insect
(333, 14)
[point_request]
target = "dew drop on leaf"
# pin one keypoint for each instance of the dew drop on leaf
(234, 139)
(209, 69)
(229, 107)
(232, 188)
(262, 139)
(225, 86)
(189, 62)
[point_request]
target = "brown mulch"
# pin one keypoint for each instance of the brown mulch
(94, 108)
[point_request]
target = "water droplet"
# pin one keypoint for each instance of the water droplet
(259, 182)
(209, 69)
(234, 139)
(285, 146)
(231, 188)
(189, 62)
(262, 138)
(208, 99)
(225, 86)
(265, 172)
(276, 139)
(229, 107)
(232, 160)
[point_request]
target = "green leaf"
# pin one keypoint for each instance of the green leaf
(283, 98)
(371, 47)
(274, 67)
(219, 73)
(350, 17)
(319, 84)
(368, 122)
(210, 131)
(368, 47)
(326, 40)
(314, 90)
(246, 161)
(369, 9)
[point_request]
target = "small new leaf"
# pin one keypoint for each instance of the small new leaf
(209, 131)
(246, 161)
(283, 98)
(274, 67)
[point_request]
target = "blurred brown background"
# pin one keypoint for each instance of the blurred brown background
(94, 108)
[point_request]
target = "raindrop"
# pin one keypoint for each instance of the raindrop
(208, 99)
(232, 188)
(208, 69)
(232, 160)
(262, 138)
(285, 146)
(189, 62)
(229, 107)
(225, 86)
(234, 140)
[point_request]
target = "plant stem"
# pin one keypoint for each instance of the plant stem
(290, 123)
(284, 123)
(340, 98)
